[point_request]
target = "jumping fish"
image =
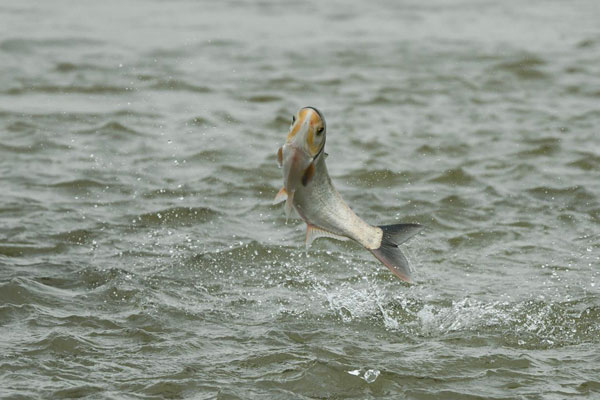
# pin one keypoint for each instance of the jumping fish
(307, 188)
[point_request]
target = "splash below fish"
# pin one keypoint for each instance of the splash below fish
(307, 188)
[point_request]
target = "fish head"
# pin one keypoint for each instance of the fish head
(305, 142)
(307, 132)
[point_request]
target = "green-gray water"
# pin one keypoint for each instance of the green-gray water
(140, 255)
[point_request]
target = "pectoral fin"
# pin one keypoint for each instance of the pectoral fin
(312, 233)
(280, 157)
(308, 174)
(283, 195)
(280, 196)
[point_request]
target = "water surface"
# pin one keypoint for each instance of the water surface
(140, 255)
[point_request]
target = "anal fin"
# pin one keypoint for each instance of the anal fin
(312, 233)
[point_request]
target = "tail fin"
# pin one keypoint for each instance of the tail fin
(389, 253)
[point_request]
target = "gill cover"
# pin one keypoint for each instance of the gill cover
(304, 144)
(317, 134)
(314, 138)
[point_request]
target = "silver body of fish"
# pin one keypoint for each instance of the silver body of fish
(308, 189)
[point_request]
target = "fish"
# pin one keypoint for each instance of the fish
(308, 190)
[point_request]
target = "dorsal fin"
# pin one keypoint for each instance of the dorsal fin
(312, 233)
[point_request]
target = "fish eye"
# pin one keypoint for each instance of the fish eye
(320, 131)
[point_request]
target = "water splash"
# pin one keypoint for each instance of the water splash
(369, 375)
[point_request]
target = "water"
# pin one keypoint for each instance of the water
(140, 256)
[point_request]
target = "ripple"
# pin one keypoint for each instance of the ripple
(10, 313)
(77, 391)
(547, 149)
(70, 89)
(26, 250)
(227, 117)
(460, 149)
(480, 239)
(211, 156)
(177, 216)
(33, 147)
(455, 176)
(200, 122)
(22, 127)
(70, 67)
(113, 130)
(179, 85)
(264, 98)
(280, 122)
(589, 42)
(118, 292)
(375, 178)
(18, 45)
(526, 67)
(589, 387)
(587, 162)
(573, 197)
(93, 278)
(76, 236)
(63, 344)
(23, 291)
(80, 184)
(586, 118)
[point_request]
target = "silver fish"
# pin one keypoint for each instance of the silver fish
(307, 188)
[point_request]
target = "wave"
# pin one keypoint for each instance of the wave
(587, 162)
(20, 45)
(67, 89)
(525, 67)
(76, 236)
(575, 198)
(454, 176)
(35, 146)
(112, 129)
(177, 216)
(263, 98)
(28, 250)
(375, 178)
(179, 85)
(80, 184)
